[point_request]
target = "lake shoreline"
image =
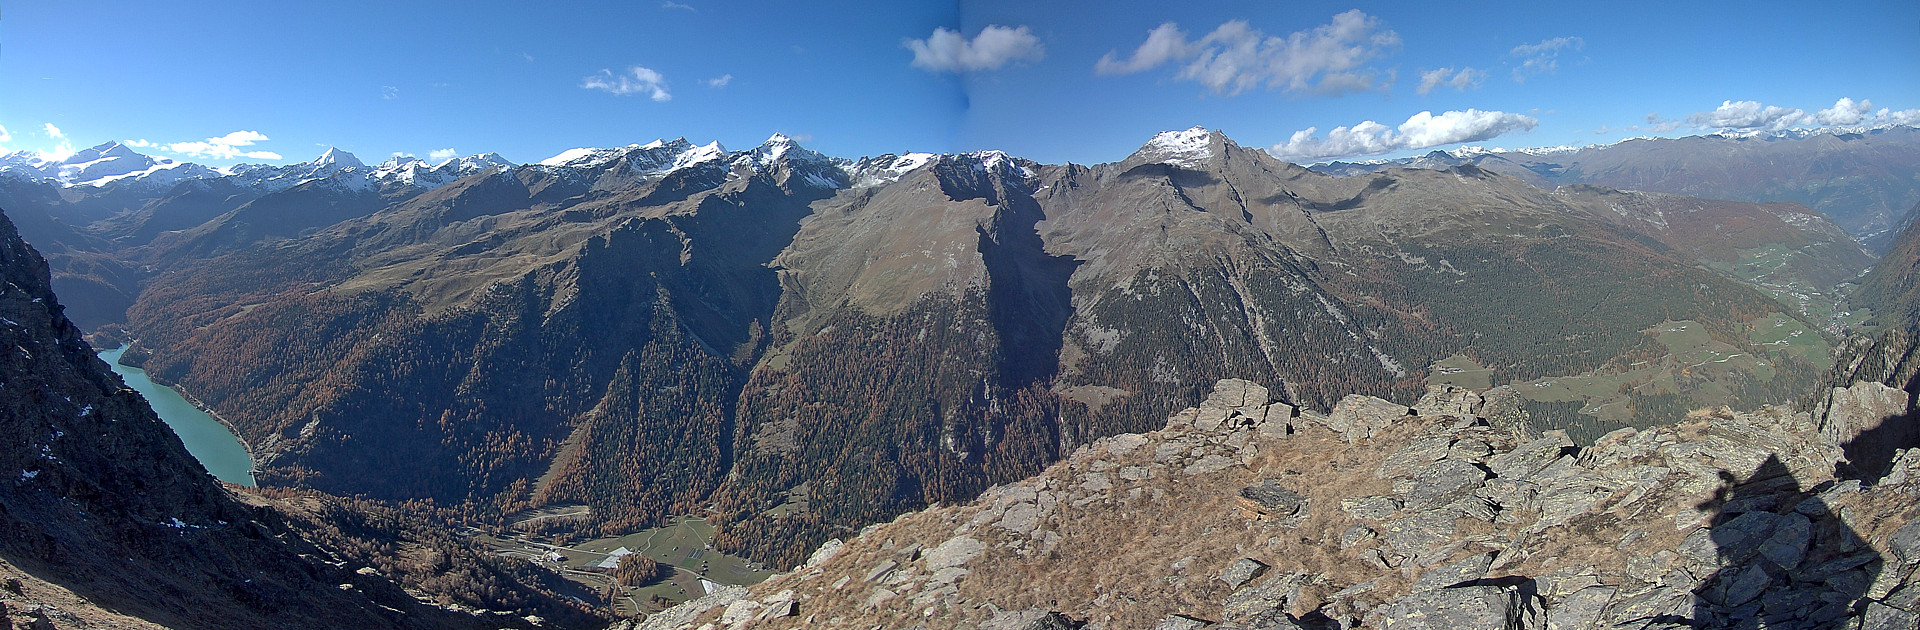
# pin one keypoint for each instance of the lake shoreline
(246, 448)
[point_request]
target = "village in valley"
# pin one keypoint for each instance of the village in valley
(638, 573)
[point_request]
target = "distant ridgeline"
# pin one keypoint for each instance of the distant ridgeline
(669, 329)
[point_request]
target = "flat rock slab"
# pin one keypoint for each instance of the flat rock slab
(1464, 570)
(1180, 622)
(1488, 607)
(1242, 571)
(955, 552)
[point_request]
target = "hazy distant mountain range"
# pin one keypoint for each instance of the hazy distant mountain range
(1865, 180)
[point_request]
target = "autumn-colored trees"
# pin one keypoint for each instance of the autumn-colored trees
(638, 570)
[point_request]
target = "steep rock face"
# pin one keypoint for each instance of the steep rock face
(1240, 513)
(1873, 389)
(516, 337)
(103, 508)
(1892, 288)
(913, 341)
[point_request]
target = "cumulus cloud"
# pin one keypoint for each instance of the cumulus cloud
(1165, 42)
(635, 80)
(1543, 57)
(4, 136)
(60, 152)
(1749, 115)
(995, 46)
(1756, 116)
(1844, 112)
(1420, 131)
(1329, 59)
(719, 81)
(442, 155)
(225, 147)
(1447, 77)
(1908, 117)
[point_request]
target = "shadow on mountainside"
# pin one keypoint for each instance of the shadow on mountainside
(1871, 454)
(1775, 556)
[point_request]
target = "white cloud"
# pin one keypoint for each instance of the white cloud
(59, 153)
(1420, 131)
(442, 155)
(4, 136)
(719, 81)
(1331, 58)
(1755, 116)
(635, 79)
(388, 92)
(1604, 130)
(994, 47)
(1844, 112)
(1749, 115)
(227, 147)
(1446, 77)
(1908, 117)
(138, 144)
(1542, 58)
(1164, 43)
(670, 4)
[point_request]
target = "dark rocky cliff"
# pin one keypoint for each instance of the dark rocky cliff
(104, 516)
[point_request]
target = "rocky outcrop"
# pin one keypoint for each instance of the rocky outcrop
(1382, 516)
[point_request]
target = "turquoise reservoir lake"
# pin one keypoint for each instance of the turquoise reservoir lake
(207, 439)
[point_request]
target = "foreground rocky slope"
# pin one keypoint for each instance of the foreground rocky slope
(107, 521)
(1246, 513)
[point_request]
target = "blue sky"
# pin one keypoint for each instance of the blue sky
(529, 80)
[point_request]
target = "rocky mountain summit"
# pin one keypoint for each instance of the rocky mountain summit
(1453, 513)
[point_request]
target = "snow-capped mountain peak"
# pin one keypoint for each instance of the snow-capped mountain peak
(698, 155)
(100, 165)
(1189, 148)
(885, 169)
(482, 161)
(778, 147)
(336, 157)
